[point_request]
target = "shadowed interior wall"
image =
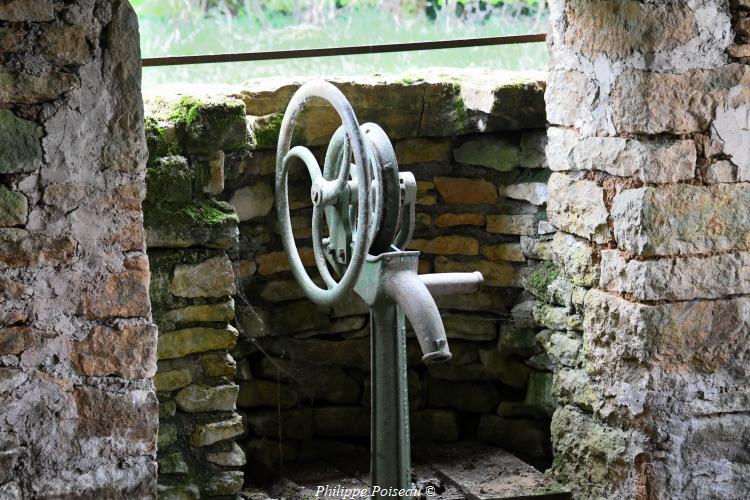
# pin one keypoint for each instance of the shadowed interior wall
(78, 414)
(648, 103)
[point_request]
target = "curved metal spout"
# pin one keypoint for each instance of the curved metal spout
(408, 291)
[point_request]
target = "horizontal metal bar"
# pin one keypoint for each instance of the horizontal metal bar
(341, 51)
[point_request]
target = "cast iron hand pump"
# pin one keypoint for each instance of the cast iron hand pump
(369, 210)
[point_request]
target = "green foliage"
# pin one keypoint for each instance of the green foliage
(183, 27)
(210, 213)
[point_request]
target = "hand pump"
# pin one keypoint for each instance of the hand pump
(368, 207)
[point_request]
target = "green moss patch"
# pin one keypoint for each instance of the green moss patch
(538, 278)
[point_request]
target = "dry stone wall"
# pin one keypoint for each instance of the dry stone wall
(475, 141)
(647, 313)
(78, 413)
(190, 237)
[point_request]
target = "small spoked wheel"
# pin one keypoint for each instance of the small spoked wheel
(352, 196)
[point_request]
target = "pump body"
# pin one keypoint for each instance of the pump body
(369, 207)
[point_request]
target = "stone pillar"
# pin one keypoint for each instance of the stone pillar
(649, 143)
(78, 414)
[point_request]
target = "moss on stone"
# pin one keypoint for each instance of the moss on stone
(211, 213)
(205, 125)
(159, 141)
(538, 280)
(266, 131)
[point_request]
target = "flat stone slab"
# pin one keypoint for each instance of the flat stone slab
(484, 473)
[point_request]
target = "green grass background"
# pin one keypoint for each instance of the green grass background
(187, 27)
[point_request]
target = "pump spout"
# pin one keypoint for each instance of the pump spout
(411, 294)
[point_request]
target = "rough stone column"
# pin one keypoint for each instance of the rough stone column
(78, 414)
(650, 141)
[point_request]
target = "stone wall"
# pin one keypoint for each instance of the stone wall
(475, 142)
(78, 414)
(649, 341)
(189, 235)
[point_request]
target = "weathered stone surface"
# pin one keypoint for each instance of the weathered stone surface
(21, 248)
(682, 219)
(208, 224)
(574, 94)
(412, 151)
(117, 423)
(562, 348)
(173, 464)
(592, 453)
(434, 425)
(678, 104)
(15, 340)
(220, 312)
(731, 129)
(66, 44)
(720, 172)
(14, 207)
(706, 336)
(679, 278)
(491, 152)
(539, 393)
(464, 326)
(536, 248)
(171, 380)
(21, 149)
(577, 257)
(557, 318)
(24, 88)
(27, 10)
(533, 192)
(224, 483)
(213, 432)
(121, 295)
(218, 364)
(233, 458)
(577, 206)
(533, 144)
(512, 224)
(204, 124)
(496, 274)
(264, 393)
(191, 340)
(510, 252)
(508, 370)
(170, 179)
(277, 262)
(605, 28)
(461, 191)
(200, 398)
(530, 437)
(127, 351)
(513, 339)
(652, 161)
(468, 219)
(253, 201)
(211, 278)
(281, 291)
(447, 245)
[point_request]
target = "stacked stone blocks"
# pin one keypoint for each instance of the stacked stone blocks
(78, 414)
(190, 238)
(650, 198)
